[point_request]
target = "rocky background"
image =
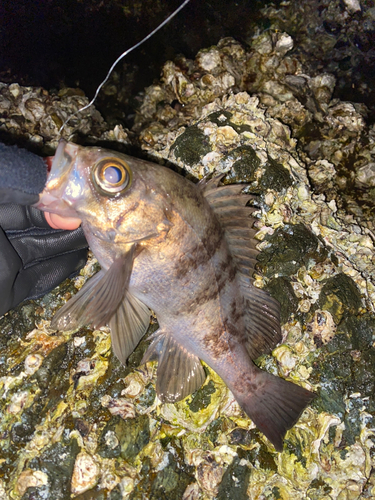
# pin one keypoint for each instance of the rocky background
(281, 98)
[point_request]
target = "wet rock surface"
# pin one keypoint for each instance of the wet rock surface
(76, 424)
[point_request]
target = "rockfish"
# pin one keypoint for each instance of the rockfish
(186, 251)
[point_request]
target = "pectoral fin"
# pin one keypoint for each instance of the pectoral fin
(179, 372)
(128, 325)
(99, 298)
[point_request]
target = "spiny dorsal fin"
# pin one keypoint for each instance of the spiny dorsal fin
(179, 373)
(262, 315)
(230, 206)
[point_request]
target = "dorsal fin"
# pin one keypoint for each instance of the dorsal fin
(262, 319)
(262, 316)
(230, 206)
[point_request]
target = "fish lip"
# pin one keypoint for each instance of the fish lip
(49, 203)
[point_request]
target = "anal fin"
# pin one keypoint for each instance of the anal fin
(179, 373)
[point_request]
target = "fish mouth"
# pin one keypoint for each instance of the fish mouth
(53, 198)
(55, 205)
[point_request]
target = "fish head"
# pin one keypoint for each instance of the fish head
(112, 193)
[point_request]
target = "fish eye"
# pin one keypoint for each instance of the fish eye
(112, 175)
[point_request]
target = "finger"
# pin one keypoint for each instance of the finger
(58, 222)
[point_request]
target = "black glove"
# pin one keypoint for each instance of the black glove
(34, 258)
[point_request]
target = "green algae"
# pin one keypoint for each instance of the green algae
(246, 168)
(235, 482)
(215, 428)
(51, 366)
(295, 448)
(124, 438)
(191, 145)
(360, 330)
(340, 296)
(112, 383)
(223, 118)
(116, 494)
(289, 248)
(252, 448)
(57, 461)
(168, 484)
(171, 482)
(275, 176)
(245, 165)
(57, 298)
(147, 397)
(45, 388)
(316, 488)
(344, 369)
(220, 118)
(201, 399)
(276, 493)
(13, 326)
(282, 290)
(52, 378)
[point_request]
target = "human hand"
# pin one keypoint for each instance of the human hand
(34, 258)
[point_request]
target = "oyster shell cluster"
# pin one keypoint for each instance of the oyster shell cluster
(75, 421)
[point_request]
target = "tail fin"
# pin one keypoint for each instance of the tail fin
(275, 406)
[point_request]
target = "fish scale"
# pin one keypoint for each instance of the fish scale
(186, 251)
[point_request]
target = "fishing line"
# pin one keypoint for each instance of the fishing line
(124, 54)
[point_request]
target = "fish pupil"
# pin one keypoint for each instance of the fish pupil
(113, 175)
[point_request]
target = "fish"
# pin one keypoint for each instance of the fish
(187, 252)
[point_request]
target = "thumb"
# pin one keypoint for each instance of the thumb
(58, 222)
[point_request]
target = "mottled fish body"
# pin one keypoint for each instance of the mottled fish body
(187, 252)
